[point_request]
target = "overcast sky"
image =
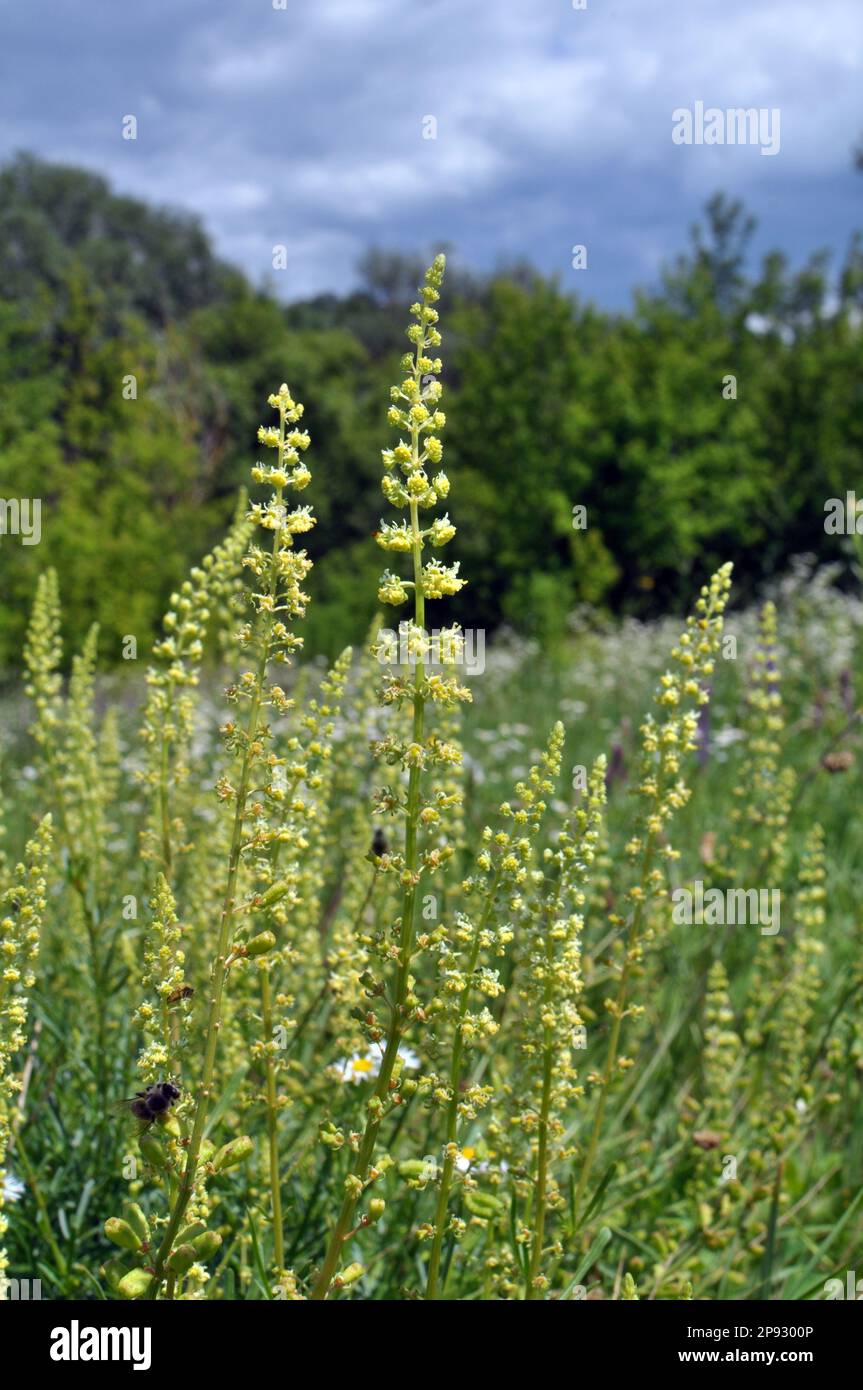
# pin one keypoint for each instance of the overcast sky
(304, 126)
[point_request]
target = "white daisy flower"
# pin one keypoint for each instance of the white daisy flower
(13, 1188)
(724, 737)
(359, 1067)
(365, 1066)
(409, 1058)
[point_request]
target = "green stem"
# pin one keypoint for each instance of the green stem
(614, 1037)
(214, 1020)
(91, 926)
(542, 1163)
(218, 971)
(45, 1219)
(163, 794)
(450, 1152)
(271, 1083)
(273, 1128)
(359, 1170)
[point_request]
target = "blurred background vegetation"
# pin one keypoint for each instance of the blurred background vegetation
(551, 403)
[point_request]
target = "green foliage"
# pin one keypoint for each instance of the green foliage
(551, 400)
(730, 1043)
(401, 1038)
(61, 227)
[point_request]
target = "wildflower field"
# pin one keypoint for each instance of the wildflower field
(530, 978)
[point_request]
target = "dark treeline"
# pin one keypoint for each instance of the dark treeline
(551, 404)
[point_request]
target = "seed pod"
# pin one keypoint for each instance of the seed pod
(377, 1207)
(273, 894)
(207, 1244)
(138, 1221)
(260, 945)
(134, 1284)
(120, 1233)
(112, 1271)
(152, 1151)
(232, 1154)
(189, 1232)
(181, 1258)
(412, 1168)
(484, 1204)
(350, 1275)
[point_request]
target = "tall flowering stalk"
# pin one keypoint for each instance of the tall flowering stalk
(43, 653)
(764, 794)
(170, 710)
(795, 1006)
(665, 742)
(63, 732)
(83, 794)
(286, 891)
(408, 487)
(709, 1126)
(550, 994)
(722, 1051)
(277, 599)
(163, 1014)
(63, 729)
(21, 908)
(501, 871)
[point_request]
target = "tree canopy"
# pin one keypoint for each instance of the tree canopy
(713, 421)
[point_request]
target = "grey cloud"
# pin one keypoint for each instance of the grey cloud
(303, 126)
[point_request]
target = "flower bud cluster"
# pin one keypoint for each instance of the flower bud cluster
(409, 482)
(551, 1028)
(163, 1016)
(169, 715)
(22, 906)
(668, 738)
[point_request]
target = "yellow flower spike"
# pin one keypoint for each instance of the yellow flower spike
(420, 752)
(662, 793)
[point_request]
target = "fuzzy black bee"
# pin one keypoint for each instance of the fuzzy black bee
(184, 992)
(148, 1106)
(379, 842)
